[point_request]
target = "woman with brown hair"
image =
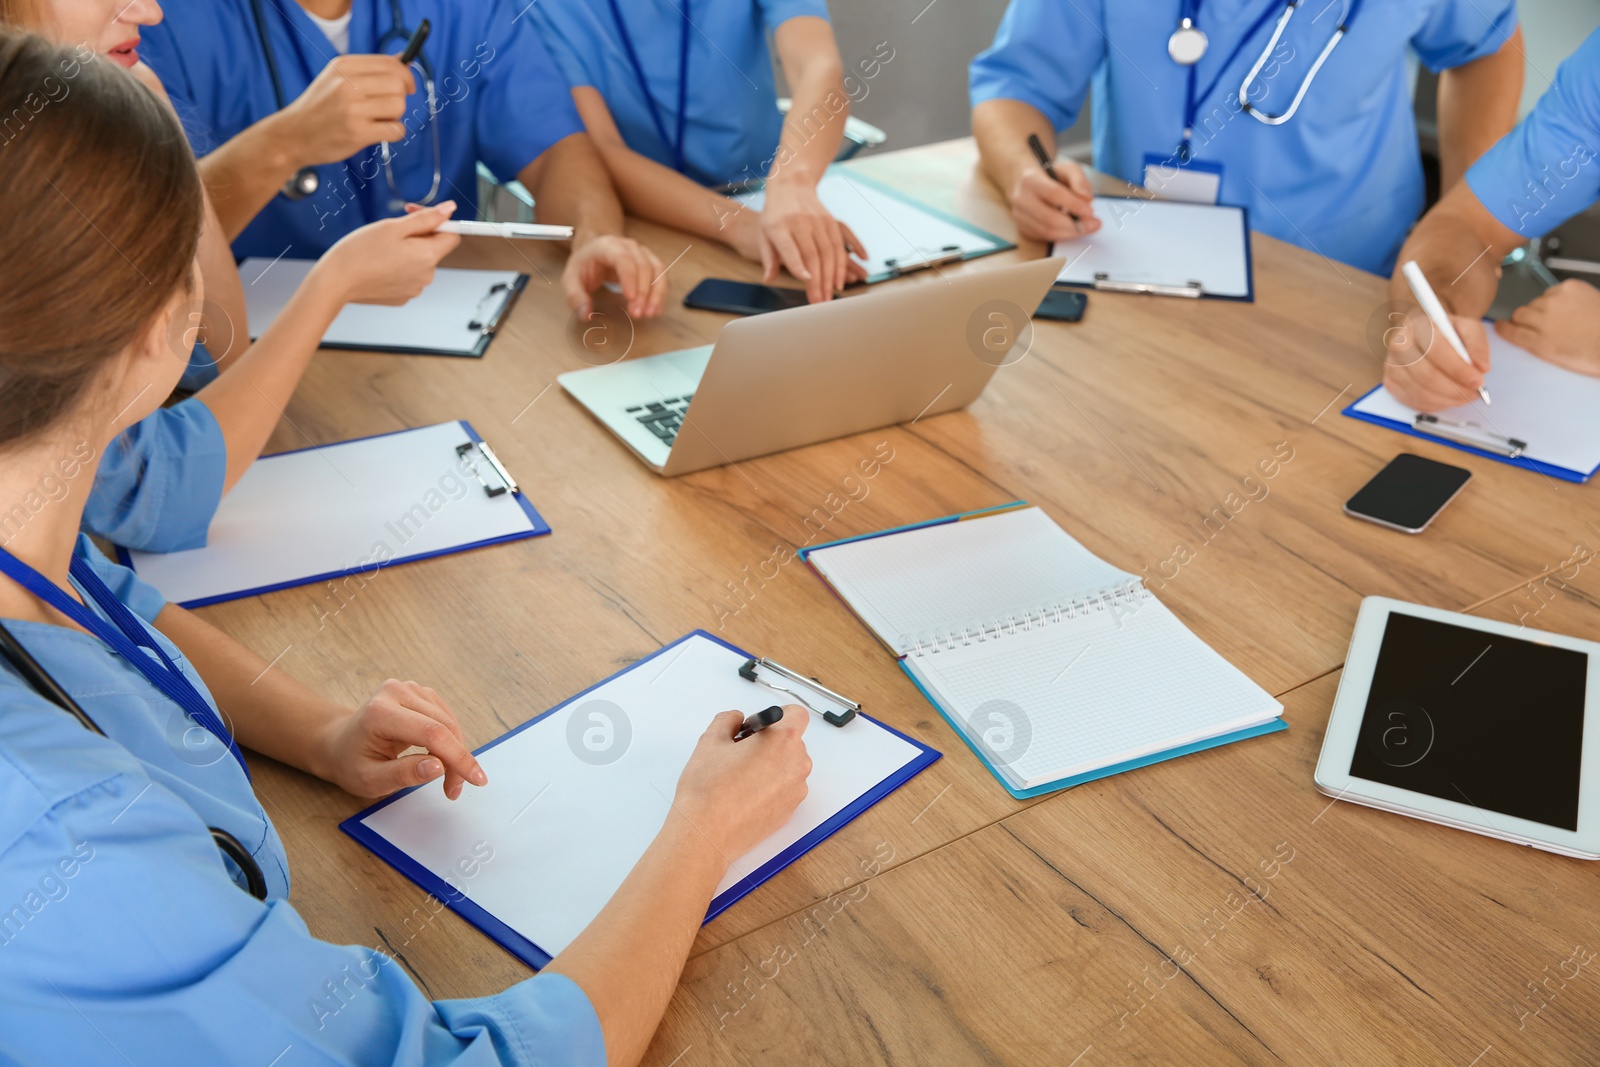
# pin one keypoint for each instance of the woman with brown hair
(124, 936)
(159, 484)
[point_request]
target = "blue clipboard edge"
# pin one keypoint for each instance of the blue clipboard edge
(478, 350)
(1249, 255)
(539, 528)
(1000, 243)
(530, 953)
(1563, 473)
(1272, 727)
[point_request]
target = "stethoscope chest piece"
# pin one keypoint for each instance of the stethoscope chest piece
(1187, 44)
(305, 182)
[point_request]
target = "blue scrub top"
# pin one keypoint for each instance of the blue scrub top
(1545, 171)
(733, 125)
(160, 481)
(500, 99)
(122, 936)
(1342, 177)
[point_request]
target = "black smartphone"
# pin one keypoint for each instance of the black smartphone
(1064, 304)
(742, 298)
(1407, 493)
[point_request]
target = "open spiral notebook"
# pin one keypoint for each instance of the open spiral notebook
(1054, 666)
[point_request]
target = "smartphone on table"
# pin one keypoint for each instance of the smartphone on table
(1408, 493)
(1066, 305)
(742, 298)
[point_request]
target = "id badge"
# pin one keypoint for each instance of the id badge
(1197, 181)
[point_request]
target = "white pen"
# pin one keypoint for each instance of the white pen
(1436, 313)
(527, 231)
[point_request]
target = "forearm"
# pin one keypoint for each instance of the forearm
(571, 187)
(246, 172)
(629, 958)
(227, 331)
(267, 710)
(1459, 246)
(1477, 106)
(815, 124)
(1001, 128)
(248, 400)
(662, 195)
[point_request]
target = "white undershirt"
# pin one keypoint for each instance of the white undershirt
(336, 30)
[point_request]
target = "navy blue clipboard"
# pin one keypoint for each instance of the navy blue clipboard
(1249, 296)
(538, 529)
(536, 957)
(1564, 473)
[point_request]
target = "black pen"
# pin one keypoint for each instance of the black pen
(413, 47)
(758, 722)
(1049, 168)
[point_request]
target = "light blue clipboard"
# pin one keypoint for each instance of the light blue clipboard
(1047, 787)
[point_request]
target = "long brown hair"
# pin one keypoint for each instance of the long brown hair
(99, 222)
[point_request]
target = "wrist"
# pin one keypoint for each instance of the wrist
(689, 839)
(275, 149)
(327, 289)
(321, 748)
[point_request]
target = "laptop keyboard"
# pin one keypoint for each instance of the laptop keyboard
(663, 417)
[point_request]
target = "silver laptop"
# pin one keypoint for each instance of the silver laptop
(790, 378)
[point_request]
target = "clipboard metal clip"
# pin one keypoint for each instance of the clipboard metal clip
(748, 673)
(1470, 433)
(1105, 282)
(489, 326)
(507, 483)
(923, 260)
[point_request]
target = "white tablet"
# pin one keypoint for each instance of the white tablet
(1471, 723)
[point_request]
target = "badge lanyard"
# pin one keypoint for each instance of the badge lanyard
(125, 635)
(673, 145)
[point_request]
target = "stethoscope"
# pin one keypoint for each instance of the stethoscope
(1188, 44)
(128, 639)
(675, 145)
(306, 180)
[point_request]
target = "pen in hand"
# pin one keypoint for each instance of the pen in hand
(758, 722)
(1050, 168)
(1436, 314)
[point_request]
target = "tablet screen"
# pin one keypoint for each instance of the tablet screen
(1480, 719)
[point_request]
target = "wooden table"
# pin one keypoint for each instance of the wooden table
(1213, 908)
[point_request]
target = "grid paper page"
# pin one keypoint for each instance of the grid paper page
(1551, 408)
(961, 573)
(1162, 242)
(565, 831)
(1078, 698)
(436, 320)
(889, 227)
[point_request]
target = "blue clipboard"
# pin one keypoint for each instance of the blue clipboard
(1249, 296)
(538, 529)
(536, 957)
(1564, 473)
(1047, 787)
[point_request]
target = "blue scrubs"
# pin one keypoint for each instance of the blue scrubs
(1545, 171)
(732, 123)
(124, 939)
(1342, 177)
(500, 99)
(160, 481)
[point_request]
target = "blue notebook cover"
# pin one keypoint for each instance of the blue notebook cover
(532, 954)
(538, 529)
(1047, 787)
(1564, 473)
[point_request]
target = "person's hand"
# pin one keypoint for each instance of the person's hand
(631, 264)
(797, 232)
(391, 261)
(1561, 325)
(1422, 370)
(736, 794)
(361, 752)
(353, 103)
(1048, 210)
